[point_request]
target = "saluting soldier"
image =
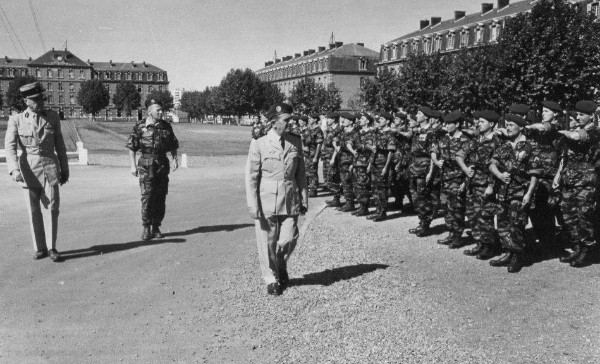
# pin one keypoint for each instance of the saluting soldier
(41, 168)
(444, 154)
(153, 138)
(474, 159)
(381, 162)
(400, 180)
(345, 152)
(362, 164)
(276, 194)
(517, 170)
(331, 168)
(580, 159)
(313, 142)
(439, 198)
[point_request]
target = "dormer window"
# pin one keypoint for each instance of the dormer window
(437, 43)
(38, 73)
(71, 73)
(450, 41)
(385, 54)
(595, 9)
(362, 64)
(403, 48)
(479, 34)
(395, 51)
(464, 38)
(415, 46)
(427, 45)
(494, 32)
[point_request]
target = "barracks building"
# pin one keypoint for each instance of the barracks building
(462, 31)
(61, 74)
(346, 65)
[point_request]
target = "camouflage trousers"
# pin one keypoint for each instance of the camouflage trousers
(347, 181)
(154, 188)
(362, 185)
(512, 219)
(332, 177)
(579, 210)
(312, 175)
(400, 184)
(423, 198)
(480, 214)
(455, 206)
(546, 208)
(379, 184)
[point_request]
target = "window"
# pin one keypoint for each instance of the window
(60, 86)
(49, 73)
(140, 76)
(403, 50)
(71, 87)
(1, 71)
(362, 64)
(11, 72)
(50, 99)
(118, 75)
(450, 41)
(59, 73)
(494, 32)
(325, 66)
(464, 38)
(437, 43)
(479, 34)
(139, 88)
(160, 77)
(72, 112)
(107, 75)
(71, 73)
(128, 76)
(595, 9)
(149, 88)
(149, 76)
(72, 99)
(38, 73)
(159, 88)
(415, 46)
(384, 54)
(81, 74)
(61, 99)
(426, 46)
(49, 88)
(395, 52)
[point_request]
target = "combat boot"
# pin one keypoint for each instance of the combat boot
(571, 257)
(415, 230)
(582, 258)
(156, 232)
(146, 234)
(457, 242)
(486, 253)
(373, 215)
(335, 202)
(516, 263)
(362, 211)
(312, 193)
(424, 231)
(447, 240)
(476, 250)
(503, 261)
(380, 217)
(349, 206)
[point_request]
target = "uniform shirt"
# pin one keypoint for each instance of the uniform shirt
(385, 142)
(315, 137)
(447, 149)
(581, 157)
(478, 153)
(366, 137)
(420, 151)
(546, 147)
(347, 137)
(402, 154)
(518, 159)
(153, 140)
(331, 136)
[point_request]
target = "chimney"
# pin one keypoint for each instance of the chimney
(30, 59)
(459, 15)
(305, 53)
(6, 59)
(145, 65)
(339, 44)
(360, 44)
(321, 49)
(311, 51)
(132, 64)
(503, 3)
(277, 60)
(485, 7)
(331, 45)
(297, 55)
(266, 64)
(424, 24)
(435, 20)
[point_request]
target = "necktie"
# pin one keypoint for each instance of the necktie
(282, 143)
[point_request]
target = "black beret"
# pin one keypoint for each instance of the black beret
(369, 117)
(385, 115)
(515, 118)
(31, 90)
(347, 115)
(488, 115)
(279, 109)
(551, 105)
(400, 115)
(332, 115)
(454, 117)
(427, 111)
(436, 114)
(313, 115)
(586, 107)
(520, 109)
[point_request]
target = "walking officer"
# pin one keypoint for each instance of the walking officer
(40, 169)
(153, 138)
(276, 194)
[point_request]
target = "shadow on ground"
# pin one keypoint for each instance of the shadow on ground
(208, 229)
(331, 276)
(111, 248)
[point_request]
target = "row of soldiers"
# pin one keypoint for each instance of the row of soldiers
(539, 170)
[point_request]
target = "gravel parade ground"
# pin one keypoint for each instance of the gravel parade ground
(361, 292)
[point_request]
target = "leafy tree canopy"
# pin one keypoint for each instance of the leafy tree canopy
(93, 96)
(13, 95)
(164, 98)
(126, 97)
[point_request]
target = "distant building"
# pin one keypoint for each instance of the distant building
(61, 73)
(346, 65)
(177, 93)
(464, 31)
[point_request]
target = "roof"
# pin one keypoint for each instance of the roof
(343, 51)
(470, 19)
(120, 66)
(59, 58)
(14, 62)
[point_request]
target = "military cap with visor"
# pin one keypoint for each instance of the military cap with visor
(278, 110)
(31, 90)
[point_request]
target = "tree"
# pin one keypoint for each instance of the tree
(272, 95)
(164, 98)
(332, 100)
(126, 98)
(93, 97)
(13, 95)
(308, 96)
(381, 92)
(241, 92)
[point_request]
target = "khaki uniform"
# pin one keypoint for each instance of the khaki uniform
(275, 191)
(43, 161)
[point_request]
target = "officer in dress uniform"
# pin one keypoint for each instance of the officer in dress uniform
(276, 194)
(153, 137)
(40, 169)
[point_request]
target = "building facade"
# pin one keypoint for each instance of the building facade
(61, 73)
(461, 32)
(345, 65)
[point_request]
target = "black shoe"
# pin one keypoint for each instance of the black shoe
(456, 243)
(474, 251)
(447, 240)
(372, 216)
(416, 229)
(571, 257)
(503, 261)
(284, 277)
(312, 194)
(423, 232)
(54, 256)
(146, 234)
(40, 254)
(348, 207)
(274, 289)
(156, 233)
(362, 212)
(487, 252)
(380, 217)
(581, 260)
(334, 203)
(516, 263)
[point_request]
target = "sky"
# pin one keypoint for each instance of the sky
(198, 41)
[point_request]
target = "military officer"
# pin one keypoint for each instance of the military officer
(345, 153)
(381, 162)
(41, 168)
(331, 169)
(153, 137)
(400, 180)
(362, 167)
(314, 144)
(276, 194)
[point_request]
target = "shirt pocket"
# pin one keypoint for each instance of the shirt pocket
(271, 161)
(26, 136)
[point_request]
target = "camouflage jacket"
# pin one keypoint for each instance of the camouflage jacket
(581, 158)
(153, 141)
(420, 151)
(364, 154)
(521, 162)
(477, 153)
(446, 149)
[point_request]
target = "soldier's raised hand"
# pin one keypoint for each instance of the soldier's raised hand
(470, 171)
(505, 177)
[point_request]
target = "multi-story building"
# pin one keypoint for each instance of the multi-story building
(62, 73)
(462, 31)
(177, 93)
(345, 65)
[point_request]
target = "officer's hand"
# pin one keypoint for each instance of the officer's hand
(64, 178)
(256, 215)
(500, 131)
(17, 176)
(134, 171)
(505, 177)
(303, 209)
(470, 171)
(175, 164)
(315, 160)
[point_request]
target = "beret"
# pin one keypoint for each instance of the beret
(400, 115)
(427, 111)
(385, 115)
(369, 117)
(586, 106)
(488, 115)
(515, 118)
(551, 105)
(436, 114)
(31, 90)
(347, 115)
(313, 115)
(279, 109)
(332, 115)
(303, 117)
(520, 109)
(454, 117)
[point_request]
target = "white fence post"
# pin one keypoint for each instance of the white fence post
(184, 161)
